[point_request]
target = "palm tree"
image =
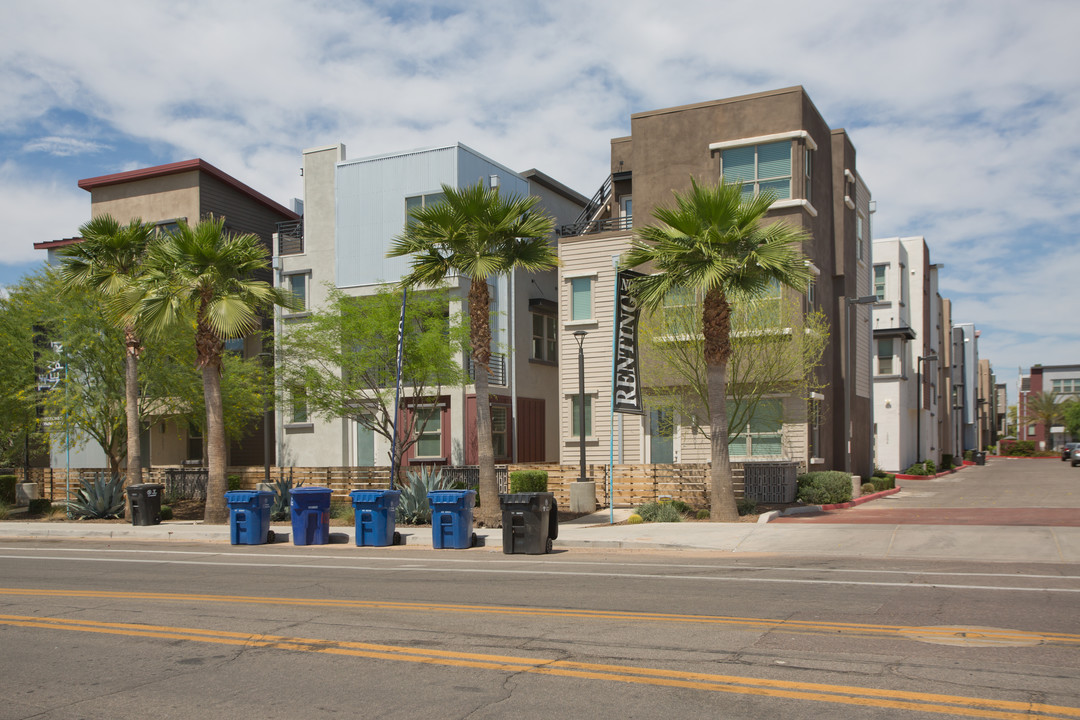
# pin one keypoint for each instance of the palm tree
(714, 242)
(1046, 409)
(203, 276)
(477, 233)
(108, 261)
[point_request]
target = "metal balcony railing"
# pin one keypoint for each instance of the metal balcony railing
(590, 227)
(290, 237)
(497, 371)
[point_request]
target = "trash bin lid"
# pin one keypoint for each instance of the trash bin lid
(452, 497)
(538, 500)
(374, 496)
(310, 491)
(241, 496)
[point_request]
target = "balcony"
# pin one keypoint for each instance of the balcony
(497, 373)
(591, 227)
(290, 237)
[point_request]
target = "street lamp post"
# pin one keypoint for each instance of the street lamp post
(918, 402)
(848, 302)
(579, 335)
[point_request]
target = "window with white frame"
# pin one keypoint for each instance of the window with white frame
(544, 346)
(759, 168)
(885, 356)
(1066, 386)
(500, 431)
(575, 416)
(428, 432)
(879, 281)
(762, 434)
(581, 306)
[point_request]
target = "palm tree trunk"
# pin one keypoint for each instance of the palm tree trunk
(480, 339)
(131, 400)
(216, 512)
(716, 328)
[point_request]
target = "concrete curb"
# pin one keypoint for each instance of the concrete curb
(772, 514)
(860, 500)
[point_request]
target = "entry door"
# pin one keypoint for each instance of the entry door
(365, 446)
(661, 437)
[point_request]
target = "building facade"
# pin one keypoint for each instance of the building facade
(775, 140)
(353, 210)
(1064, 381)
(188, 191)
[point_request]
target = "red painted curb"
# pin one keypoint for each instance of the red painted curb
(860, 500)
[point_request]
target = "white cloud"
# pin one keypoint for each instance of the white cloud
(36, 210)
(64, 146)
(963, 114)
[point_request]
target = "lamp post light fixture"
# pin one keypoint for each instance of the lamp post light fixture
(848, 302)
(579, 335)
(918, 402)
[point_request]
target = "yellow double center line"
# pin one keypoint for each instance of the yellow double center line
(989, 635)
(845, 695)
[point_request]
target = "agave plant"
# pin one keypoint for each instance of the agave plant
(413, 507)
(99, 499)
(280, 509)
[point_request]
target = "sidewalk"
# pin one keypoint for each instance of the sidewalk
(594, 532)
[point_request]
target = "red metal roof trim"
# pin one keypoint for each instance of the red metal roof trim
(51, 244)
(186, 166)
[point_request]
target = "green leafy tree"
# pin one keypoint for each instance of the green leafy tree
(479, 234)
(714, 242)
(1071, 412)
(202, 277)
(344, 356)
(20, 432)
(776, 350)
(1046, 409)
(108, 261)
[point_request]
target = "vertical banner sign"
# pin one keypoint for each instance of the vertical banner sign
(397, 386)
(627, 377)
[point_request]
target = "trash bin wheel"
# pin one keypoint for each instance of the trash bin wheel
(548, 547)
(271, 536)
(472, 540)
(397, 538)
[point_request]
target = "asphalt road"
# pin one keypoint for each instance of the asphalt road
(143, 630)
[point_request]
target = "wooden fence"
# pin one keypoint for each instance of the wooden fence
(633, 484)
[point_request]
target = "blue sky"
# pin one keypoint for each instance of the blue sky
(965, 115)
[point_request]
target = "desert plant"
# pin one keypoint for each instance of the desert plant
(659, 512)
(867, 488)
(635, 519)
(7, 489)
(341, 510)
(280, 509)
(702, 515)
(99, 499)
(413, 507)
(522, 481)
(746, 506)
(166, 512)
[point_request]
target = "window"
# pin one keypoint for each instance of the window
(808, 172)
(429, 432)
(860, 234)
(543, 341)
(296, 283)
(885, 356)
(762, 435)
(235, 346)
(759, 168)
(299, 409)
(1067, 386)
(421, 201)
(575, 416)
(627, 204)
(365, 442)
(879, 281)
(500, 430)
(581, 298)
(681, 317)
(811, 293)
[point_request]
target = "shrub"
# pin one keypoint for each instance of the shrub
(7, 489)
(341, 510)
(702, 514)
(867, 488)
(99, 499)
(682, 507)
(5, 510)
(879, 473)
(969, 455)
(659, 512)
(746, 506)
(946, 461)
(1020, 448)
(830, 486)
(634, 519)
(522, 481)
(235, 483)
(883, 483)
(166, 512)
(40, 506)
(931, 467)
(916, 469)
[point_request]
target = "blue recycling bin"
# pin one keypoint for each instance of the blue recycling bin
(249, 516)
(375, 512)
(310, 515)
(452, 518)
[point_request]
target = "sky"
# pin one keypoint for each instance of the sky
(965, 116)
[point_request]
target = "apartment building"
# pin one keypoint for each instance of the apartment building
(353, 209)
(1064, 380)
(773, 140)
(163, 195)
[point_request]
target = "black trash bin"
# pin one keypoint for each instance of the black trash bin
(980, 457)
(530, 521)
(145, 503)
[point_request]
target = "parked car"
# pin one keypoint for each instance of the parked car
(1068, 451)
